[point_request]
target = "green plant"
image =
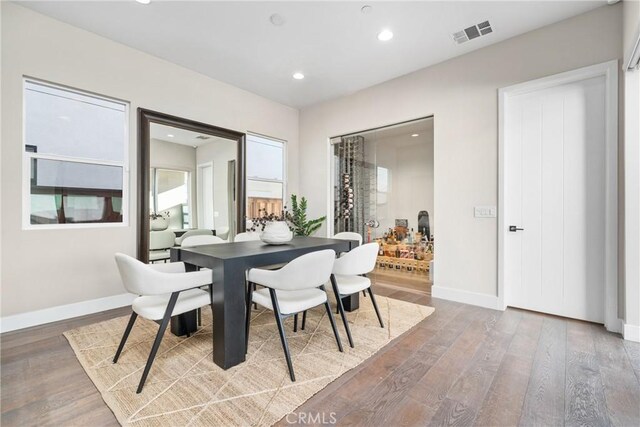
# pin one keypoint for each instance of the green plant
(154, 215)
(264, 218)
(297, 218)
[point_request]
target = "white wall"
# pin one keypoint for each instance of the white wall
(462, 95)
(411, 178)
(631, 26)
(42, 269)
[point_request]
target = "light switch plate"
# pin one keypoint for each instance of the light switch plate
(485, 211)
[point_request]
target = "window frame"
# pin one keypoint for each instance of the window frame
(284, 167)
(29, 156)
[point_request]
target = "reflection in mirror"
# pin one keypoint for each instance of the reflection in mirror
(265, 176)
(191, 187)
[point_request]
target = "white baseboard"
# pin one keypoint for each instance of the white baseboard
(62, 312)
(631, 332)
(466, 297)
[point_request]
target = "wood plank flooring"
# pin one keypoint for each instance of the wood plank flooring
(411, 282)
(463, 365)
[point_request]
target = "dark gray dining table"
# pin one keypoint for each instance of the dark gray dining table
(228, 263)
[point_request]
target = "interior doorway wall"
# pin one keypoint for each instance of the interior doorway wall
(382, 188)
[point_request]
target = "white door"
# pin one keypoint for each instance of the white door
(205, 196)
(554, 190)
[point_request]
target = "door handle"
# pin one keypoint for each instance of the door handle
(513, 228)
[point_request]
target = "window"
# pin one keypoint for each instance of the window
(265, 175)
(170, 196)
(382, 184)
(75, 157)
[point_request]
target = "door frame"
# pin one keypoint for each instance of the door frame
(610, 72)
(199, 182)
(145, 119)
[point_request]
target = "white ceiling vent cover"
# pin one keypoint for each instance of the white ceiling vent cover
(470, 33)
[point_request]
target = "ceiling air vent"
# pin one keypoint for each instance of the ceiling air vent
(475, 31)
(203, 137)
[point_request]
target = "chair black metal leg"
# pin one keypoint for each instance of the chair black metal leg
(211, 299)
(248, 320)
(333, 325)
(283, 338)
(334, 284)
(295, 322)
(375, 306)
(254, 288)
(127, 330)
(304, 320)
(199, 317)
(158, 340)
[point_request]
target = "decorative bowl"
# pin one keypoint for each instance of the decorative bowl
(159, 224)
(276, 233)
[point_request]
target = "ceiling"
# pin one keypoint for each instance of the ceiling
(420, 127)
(333, 43)
(402, 135)
(181, 136)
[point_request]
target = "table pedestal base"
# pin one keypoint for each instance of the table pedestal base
(185, 323)
(351, 302)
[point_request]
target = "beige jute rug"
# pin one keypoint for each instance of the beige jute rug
(185, 387)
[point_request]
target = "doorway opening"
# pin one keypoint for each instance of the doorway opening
(383, 185)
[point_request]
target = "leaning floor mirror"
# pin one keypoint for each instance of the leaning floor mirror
(191, 178)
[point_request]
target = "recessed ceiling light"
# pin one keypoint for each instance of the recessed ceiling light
(277, 19)
(144, 1)
(170, 135)
(385, 35)
(415, 134)
(298, 76)
(366, 9)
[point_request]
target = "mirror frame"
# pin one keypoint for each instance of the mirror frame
(145, 119)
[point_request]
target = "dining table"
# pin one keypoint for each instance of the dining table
(229, 263)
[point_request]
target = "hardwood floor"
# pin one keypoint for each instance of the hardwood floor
(463, 365)
(412, 282)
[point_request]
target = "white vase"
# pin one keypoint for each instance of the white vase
(276, 233)
(159, 224)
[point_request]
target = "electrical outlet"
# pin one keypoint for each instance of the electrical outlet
(485, 211)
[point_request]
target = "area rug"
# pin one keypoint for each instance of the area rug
(186, 388)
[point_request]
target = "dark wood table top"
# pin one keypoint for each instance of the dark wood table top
(228, 263)
(228, 251)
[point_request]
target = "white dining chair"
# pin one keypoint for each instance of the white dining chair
(223, 232)
(190, 233)
(349, 235)
(201, 240)
(348, 277)
(159, 244)
(163, 290)
(247, 236)
(295, 288)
